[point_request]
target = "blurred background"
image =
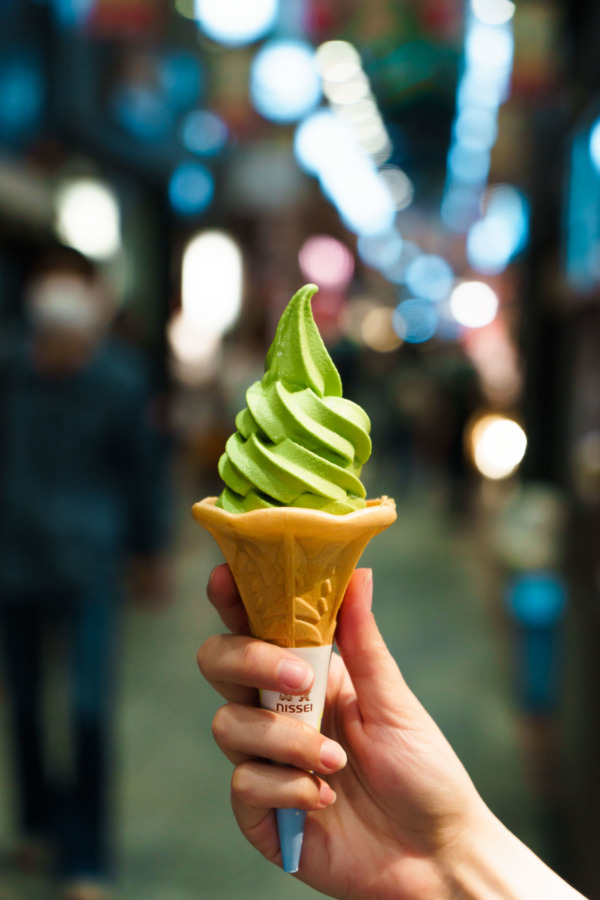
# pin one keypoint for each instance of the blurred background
(432, 165)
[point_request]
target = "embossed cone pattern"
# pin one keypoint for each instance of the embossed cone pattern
(292, 566)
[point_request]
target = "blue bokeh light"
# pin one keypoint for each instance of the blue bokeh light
(508, 204)
(476, 129)
(284, 81)
(595, 145)
(191, 188)
(204, 133)
(415, 320)
(489, 48)
(380, 250)
(21, 94)
(395, 271)
(236, 22)
(468, 166)
(142, 112)
(429, 277)
(180, 78)
(71, 13)
(490, 245)
(460, 208)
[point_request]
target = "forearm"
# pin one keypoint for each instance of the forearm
(498, 866)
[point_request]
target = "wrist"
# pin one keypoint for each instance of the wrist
(493, 864)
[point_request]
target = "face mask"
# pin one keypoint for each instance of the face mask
(66, 302)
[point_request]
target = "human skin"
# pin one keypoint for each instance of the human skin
(392, 813)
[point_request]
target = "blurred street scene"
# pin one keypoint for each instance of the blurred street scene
(171, 172)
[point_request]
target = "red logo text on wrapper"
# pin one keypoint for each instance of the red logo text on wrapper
(302, 705)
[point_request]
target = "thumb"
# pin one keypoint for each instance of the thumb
(380, 688)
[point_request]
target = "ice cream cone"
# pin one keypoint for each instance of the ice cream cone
(292, 566)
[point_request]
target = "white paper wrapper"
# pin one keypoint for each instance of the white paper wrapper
(306, 708)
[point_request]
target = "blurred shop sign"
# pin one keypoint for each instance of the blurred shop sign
(127, 18)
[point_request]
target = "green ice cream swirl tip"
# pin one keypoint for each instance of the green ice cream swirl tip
(298, 441)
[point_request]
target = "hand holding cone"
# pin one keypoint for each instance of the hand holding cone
(292, 567)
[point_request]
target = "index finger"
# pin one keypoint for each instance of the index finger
(224, 596)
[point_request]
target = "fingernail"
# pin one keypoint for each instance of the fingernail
(295, 674)
(332, 756)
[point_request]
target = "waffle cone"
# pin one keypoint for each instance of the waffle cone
(292, 566)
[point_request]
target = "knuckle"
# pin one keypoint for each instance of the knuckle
(251, 656)
(308, 791)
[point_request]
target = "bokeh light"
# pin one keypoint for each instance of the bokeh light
(211, 281)
(395, 270)
(284, 80)
(378, 332)
(489, 47)
(468, 165)
(498, 446)
(381, 249)
(191, 188)
(399, 185)
(415, 320)
(507, 204)
(595, 145)
(473, 304)
(326, 262)
(493, 12)
(142, 112)
(429, 277)
(21, 94)
(338, 61)
(236, 22)
(88, 217)
(476, 129)
(327, 147)
(204, 133)
(180, 78)
(489, 245)
(319, 141)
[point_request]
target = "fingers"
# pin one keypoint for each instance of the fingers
(235, 666)
(224, 596)
(381, 691)
(257, 789)
(259, 786)
(242, 733)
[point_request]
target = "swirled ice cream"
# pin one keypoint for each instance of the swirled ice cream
(298, 441)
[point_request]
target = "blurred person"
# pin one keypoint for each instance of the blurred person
(83, 488)
(393, 815)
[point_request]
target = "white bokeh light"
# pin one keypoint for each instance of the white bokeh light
(236, 22)
(473, 304)
(284, 81)
(88, 217)
(595, 145)
(493, 12)
(498, 446)
(211, 281)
